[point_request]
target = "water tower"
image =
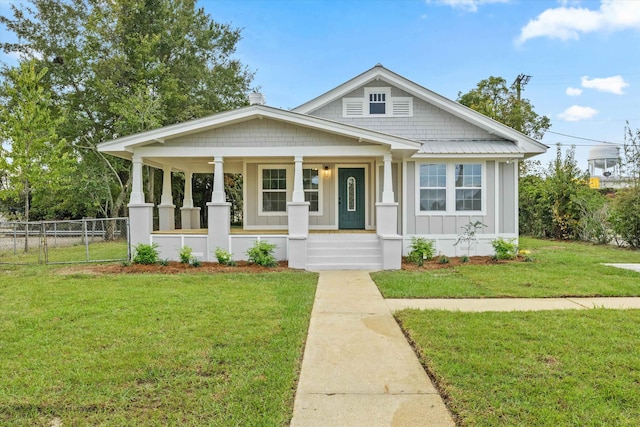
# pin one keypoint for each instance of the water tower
(604, 160)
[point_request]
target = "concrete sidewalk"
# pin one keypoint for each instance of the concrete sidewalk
(513, 304)
(358, 369)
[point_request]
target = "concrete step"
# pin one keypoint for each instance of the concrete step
(344, 266)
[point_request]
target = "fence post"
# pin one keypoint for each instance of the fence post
(86, 239)
(15, 239)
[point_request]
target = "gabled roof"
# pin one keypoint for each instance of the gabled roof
(378, 72)
(124, 146)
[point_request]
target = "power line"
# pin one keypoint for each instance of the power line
(583, 138)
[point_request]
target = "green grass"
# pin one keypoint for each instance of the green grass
(560, 269)
(552, 368)
(99, 251)
(150, 349)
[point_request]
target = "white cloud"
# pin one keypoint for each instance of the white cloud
(572, 91)
(568, 23)
(575, 113)
(613, 84)
(467, 5)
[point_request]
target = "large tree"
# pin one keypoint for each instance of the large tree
(32, 155)
(125, 66)
(493, 98)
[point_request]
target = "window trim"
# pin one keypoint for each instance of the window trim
(451, 189)
(289, 190)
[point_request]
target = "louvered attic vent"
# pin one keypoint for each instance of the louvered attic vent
(377, 102)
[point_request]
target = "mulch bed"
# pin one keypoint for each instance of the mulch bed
(175, 267)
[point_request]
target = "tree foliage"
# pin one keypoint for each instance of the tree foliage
(493, 98)
(34, 159)
(125, 66)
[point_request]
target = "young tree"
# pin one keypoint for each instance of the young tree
(125, 66)
(34, 157)
(493, 98)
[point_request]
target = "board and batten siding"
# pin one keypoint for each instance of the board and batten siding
(427, 123)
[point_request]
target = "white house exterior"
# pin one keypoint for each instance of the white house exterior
(343, 181)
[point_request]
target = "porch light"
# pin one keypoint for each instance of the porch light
(327, 171)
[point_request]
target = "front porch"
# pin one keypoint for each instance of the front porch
(325, 249)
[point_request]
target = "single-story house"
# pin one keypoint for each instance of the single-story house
(343, 181)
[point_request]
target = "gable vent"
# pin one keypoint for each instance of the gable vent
(353, 108)
(402, 107)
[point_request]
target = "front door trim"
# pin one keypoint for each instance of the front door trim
(367, 188)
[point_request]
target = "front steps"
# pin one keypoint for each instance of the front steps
(360, 251)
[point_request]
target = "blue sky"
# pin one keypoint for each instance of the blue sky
(583, 56)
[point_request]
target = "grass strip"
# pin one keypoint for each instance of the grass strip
(569, 368)
(560, 269)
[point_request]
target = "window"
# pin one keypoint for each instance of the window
(351, 194)
(377, 103)
(274, 190)
(468, 187)
(433, 187)
(311, 185)
(449, 188)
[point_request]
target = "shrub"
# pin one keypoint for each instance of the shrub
(261, 253)
(146, 254)
(444, 260)
(185, 255)
(224, 257)
(195, 262)
(421, 249)
(464, 259)
(625, 216)
(504, 249)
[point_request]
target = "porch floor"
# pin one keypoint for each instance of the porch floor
(240, 231)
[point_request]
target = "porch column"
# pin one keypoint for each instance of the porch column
(140, 213)
(387, 222)
(166, 209)
(219, 213)
(190, 218)
(387, 186)
(298, 220)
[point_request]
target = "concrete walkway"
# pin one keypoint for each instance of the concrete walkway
(358, 369)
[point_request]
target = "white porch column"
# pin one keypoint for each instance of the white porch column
(298, 186)
(166, 209)
(140, 213)
(387, 222)
(190, 216)
(298, 220)
(387, 186)
(219, 213)
(218, 195)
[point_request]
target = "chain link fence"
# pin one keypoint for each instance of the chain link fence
(58, 242)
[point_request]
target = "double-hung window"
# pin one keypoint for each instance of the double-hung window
(433, 187)
(449, 188)
(274, 190)
(311, 185)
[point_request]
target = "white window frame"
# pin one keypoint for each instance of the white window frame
(321, 178)
(451, 189)
(359, 107)
(287, 191)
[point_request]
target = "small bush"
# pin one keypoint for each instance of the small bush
(146, 254)
(224, 257)
(164, 262)
(195, 262)
(185, 255)
(421, 249)
(464, 259)
(504, 249)
(444, 260)
(261, 253)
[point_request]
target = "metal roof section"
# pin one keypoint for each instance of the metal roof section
(379, 72)
(499, 148)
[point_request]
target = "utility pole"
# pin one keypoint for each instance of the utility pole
(520, 82)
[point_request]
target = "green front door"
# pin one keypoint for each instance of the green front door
(351, 198)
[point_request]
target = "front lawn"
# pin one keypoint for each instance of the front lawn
(80, 349)
(559, 269)
(549, 368)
